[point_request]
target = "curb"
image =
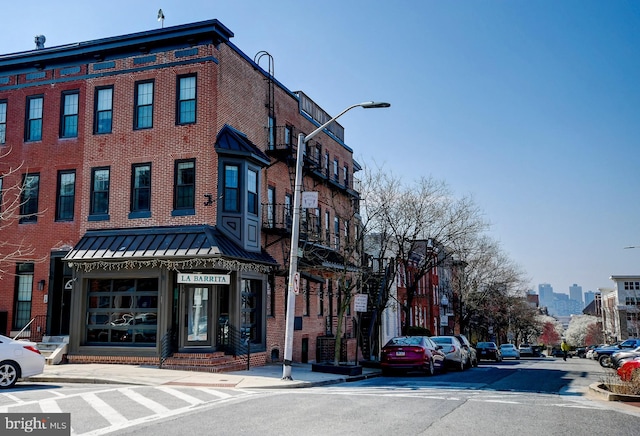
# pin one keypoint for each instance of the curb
(611, 396)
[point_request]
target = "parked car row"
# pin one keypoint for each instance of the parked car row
(604, 354)
(431, 354)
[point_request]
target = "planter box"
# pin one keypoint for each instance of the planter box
(337, 369)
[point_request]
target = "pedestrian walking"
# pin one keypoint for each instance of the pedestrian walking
(565, 349)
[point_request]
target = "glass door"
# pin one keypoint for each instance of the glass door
(197, 316)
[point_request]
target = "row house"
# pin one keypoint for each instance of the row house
(620, 308)
(154, 175)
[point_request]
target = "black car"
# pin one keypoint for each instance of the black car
(488, 351)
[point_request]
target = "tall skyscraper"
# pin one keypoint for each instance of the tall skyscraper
(575, 293)
(546, 294)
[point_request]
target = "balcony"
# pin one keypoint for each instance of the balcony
(282, 143)
(277, 220)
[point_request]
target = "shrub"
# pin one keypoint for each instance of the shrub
(613, 384)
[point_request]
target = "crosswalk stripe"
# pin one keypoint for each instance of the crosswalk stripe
(141, 399)
(179, 394)
(214, 392)
(50, 406)
(107, 412)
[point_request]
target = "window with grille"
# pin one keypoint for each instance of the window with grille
(187, 99)
(34, 118)
(143, 112)
(103, 110)
(66, 195)
(69, 115)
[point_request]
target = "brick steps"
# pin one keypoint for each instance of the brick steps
(204, 362)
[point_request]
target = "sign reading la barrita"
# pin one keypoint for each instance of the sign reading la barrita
(204, 279)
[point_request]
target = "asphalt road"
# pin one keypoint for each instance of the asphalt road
(526, 397)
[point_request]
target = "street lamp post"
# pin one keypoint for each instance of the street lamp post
(295, 233)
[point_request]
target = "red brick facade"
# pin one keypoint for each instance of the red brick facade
(231, 90)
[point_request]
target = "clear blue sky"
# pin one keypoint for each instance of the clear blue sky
(531, 107)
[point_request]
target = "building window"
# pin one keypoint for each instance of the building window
(186, 99)
(141, 187)
(271, 126)
(345, 176)
(29, 198)
(66, 195)
(3, 121)
(271, 206)
(184, 185)
(143, 111)
(122, 311)
(250, 311)
(632, 286)
(326, 164)
(336, 174)
(327, 228)
(336, 233)
(103, 110)
(99, 191)
(288, 211)
(287, 135)
(69, 116)
(346, 232)
(321, 299)
(231, 189)
(34, 118)
(23, 293)
(252, 192)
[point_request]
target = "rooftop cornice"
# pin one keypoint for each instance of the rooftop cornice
(186, 34)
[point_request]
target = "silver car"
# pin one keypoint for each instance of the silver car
(456, 356)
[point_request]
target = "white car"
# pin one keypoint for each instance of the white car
(526, 350)
(18, 359)
(509, 351)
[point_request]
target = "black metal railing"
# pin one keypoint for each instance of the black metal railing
(168, 345)
(34, 330)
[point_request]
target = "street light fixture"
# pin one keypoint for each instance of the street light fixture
(295, 233)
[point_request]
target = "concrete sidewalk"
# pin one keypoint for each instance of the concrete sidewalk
(269, 376)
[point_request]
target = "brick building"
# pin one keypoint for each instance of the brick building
(155, 178)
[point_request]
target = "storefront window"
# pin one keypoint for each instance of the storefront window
(122, 311)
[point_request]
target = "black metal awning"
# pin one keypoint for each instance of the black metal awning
(176, 244)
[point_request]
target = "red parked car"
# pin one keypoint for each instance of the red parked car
(630, 370)
(407, 353)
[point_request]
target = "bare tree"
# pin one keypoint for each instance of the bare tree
(417, 223)
(11, 251)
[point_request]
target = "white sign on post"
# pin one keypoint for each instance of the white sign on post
(360, 302)
(296, 283)
(310, 199)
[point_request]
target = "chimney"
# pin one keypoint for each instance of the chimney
(40, 39)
